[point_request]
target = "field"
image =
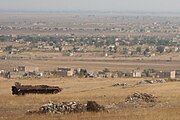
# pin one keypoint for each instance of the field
(100, 90)
(83, 89)
(72, 27)
(50, 61)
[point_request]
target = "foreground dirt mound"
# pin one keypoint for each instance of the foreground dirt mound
(69, 107)
(141, 97)
(135, 100)
(64, 107)
(93, 106)
(141, 100)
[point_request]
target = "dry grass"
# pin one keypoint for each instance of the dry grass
(100, 90)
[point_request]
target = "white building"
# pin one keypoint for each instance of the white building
(137, 73)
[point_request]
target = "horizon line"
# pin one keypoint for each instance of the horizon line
(79, 10)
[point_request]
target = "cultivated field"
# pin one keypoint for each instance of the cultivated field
(83, 89)
(50, 61)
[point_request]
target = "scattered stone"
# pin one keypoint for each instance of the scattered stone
(123, 85)
(120, 84)
(141, 97)
(151, 81)
(134, 101)
(111, 106)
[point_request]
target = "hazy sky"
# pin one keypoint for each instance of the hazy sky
(107, 5)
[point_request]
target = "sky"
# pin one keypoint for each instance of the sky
(99, 5)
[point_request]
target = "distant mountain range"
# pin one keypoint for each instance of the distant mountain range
(91, 12)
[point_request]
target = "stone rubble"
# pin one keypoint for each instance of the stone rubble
(64, 107)
(120, 84)
(151, 81)
(141, 97)
(123, 85)
(69, 107)
(135, 100)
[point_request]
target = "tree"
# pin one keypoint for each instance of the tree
(147, 72)
(8, 48)
(146, 51)
(5, 38)
(125, 50)
(160, 49)
(138, 49)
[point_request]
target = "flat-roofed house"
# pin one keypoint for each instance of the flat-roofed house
(31, 69)
(136, 73)
(65, 72)
(163, 74)
(175, 74)
(27, 69)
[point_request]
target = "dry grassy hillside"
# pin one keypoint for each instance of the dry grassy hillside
(100, 90)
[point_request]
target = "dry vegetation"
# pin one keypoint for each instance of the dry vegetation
(100, 90)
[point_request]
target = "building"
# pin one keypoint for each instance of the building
(48, 47)
(31, 69)
(21, 68)
(15, 75)
(136, 73)
(1, 51)
(162, 74)
(57, 49)
(27, 69)
(65, 72)
(111, 48)
(175, 74)
(81, 72)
